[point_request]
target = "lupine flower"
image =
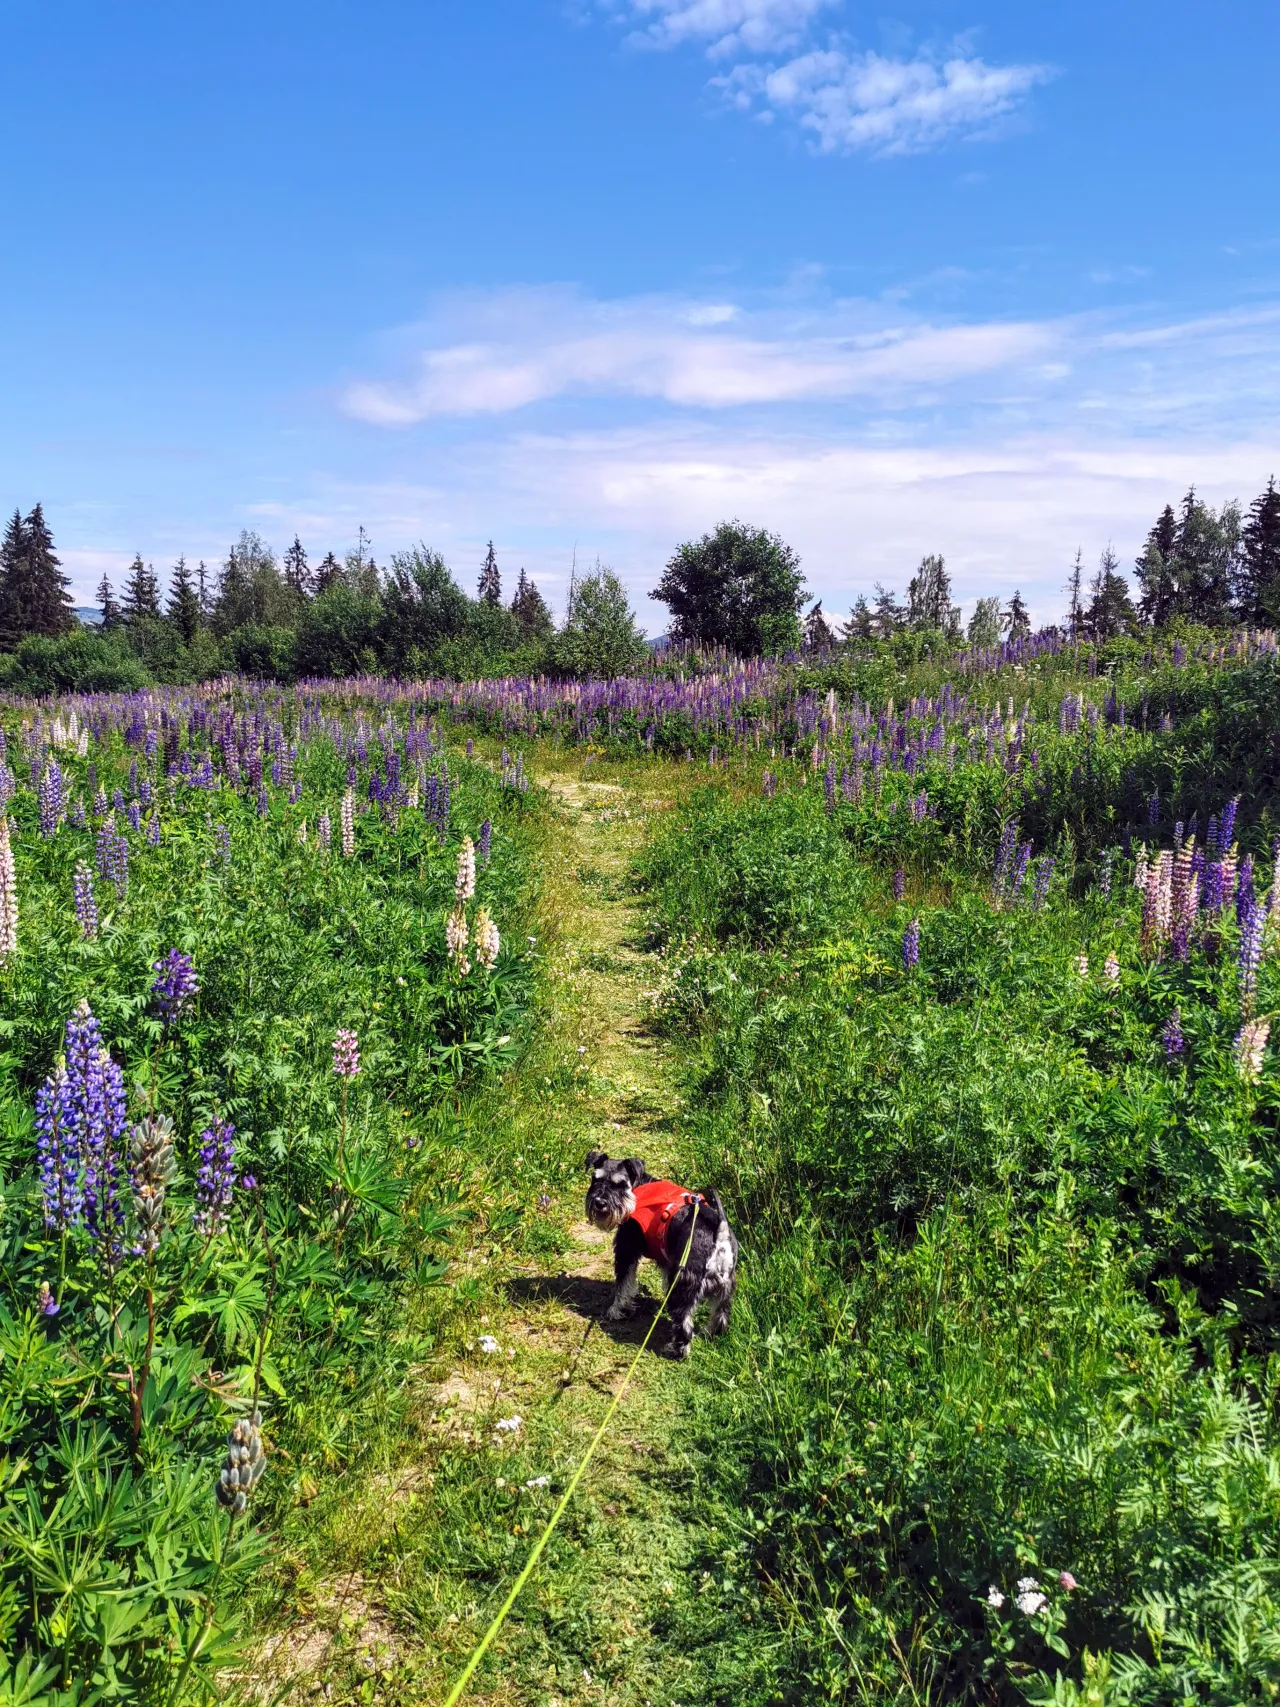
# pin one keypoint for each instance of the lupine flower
(1067, 1582)
(264, 803)
(1111, 968)
(486, 838)
(99, 807)
(1004, 855)
(8, 894)
(1019, 873)
(1140, 867)
(1153, 808)
(175, 985)
(1274, 905)
(153, 830)
(215, 1177)
(1250, 952)
(46, 1303)
(456, 937)
(52, 799)
(324, 831)
(487, 940)
(95, 1092)
(1185, 895)
(464, 886)
(222, 842)
(1227, 827)
(244, 1464)
(1044, 876)
(346, 1053)
(133, 814)
(911, 946)
(1171, 1036)
(152, 1170)
(1250, 1047)
(58, 1152)
(1081, 964)
(1104, 874)
(899, 884)
(348, 824)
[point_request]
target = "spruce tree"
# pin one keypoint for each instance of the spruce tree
(887, 613)
(929, 596)
(817, 633)
(1155, 569)
(295, 568)
(1075, 605)
(1017, 619)
(141, 592)
(111, 613)
(184, 602)
(33, 589)
(1260, 554)
(1111, 611)
(489, 590)
(530, 609)
(327, 573)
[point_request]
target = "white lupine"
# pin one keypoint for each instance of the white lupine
(486, 939)
(1111, 969)
(324, 830)
(465, 885)
(8, 895)
(1140, 867)
(456, 937)
(349, 824)
(1250, 1047)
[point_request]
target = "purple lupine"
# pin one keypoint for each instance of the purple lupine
(264, 803)
(1244, 888)
(1250, 952)
(86, 901)
(485, 842)
(52, 799)
(1018, 875)
(1104, 874)
(1153, 808)
(1215, 886)
(1171, 1036)
(346, 1053)
(1227, 826)
(899, 884)
(133, 812)
(911, 946)
(1040, 888)
(222, 842)
(829, 786)
(117, 800)
(1004, 855)
(175, 986)
(215, 1177)
(58, 1152)
(153, 830)
(95, 1089)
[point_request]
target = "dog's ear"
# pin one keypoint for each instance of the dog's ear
(595, 1158)
(635, 1169)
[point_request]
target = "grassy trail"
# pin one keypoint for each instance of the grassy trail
(425, 1554)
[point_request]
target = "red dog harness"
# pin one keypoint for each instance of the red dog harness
(658, 1202)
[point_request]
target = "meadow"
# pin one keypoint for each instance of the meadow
(961, 979)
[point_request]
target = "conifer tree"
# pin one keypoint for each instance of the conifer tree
(859, 625)
(929, 596)
(489, 590)
(1075, 604)
(1156, 569)
(1016, 620)
(327, 573)
(202, 589)
(112, 616)
(33, 589)
(887, 613)
(530, 609)
(184, 602)
(1110, 611)
(295, 568)
(817, 631)
(1260, 554)
(141, 592)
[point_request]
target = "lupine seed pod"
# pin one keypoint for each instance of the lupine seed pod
(152, 1170)
(244, 1464)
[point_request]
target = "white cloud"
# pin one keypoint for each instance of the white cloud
(728, 26)
(497, 353)
(886, 106)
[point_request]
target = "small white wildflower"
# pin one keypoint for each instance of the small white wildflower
(508, 1425)
(1111, 969)
(538, 1482)
(1029, 1600)
(1082, 965)
(488, 1344)
(994, 1597)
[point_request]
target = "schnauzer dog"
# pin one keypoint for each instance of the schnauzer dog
(652, 1218)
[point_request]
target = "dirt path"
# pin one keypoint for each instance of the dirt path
(428, 1548)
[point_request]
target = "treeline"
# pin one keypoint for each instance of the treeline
(290, 618)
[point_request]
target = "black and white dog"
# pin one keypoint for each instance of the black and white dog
(652, 1218)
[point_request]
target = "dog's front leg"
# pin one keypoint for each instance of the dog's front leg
(628, 1249)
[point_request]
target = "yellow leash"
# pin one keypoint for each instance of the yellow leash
(455, 1694)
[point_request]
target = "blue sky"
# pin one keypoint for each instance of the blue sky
(980, 278)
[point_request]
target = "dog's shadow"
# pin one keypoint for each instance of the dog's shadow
(590, 1300)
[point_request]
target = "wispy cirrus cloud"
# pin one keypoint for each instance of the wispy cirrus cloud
(506, 350)
(843, 98)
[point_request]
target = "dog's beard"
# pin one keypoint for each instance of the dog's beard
(609, 1217)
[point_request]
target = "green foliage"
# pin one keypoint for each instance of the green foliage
(85, 661)
(600, 636)
(739, 587)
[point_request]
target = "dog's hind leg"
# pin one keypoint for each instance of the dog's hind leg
(684, 1301)
(628, 1249)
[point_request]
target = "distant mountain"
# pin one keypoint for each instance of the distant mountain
(89, 614)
